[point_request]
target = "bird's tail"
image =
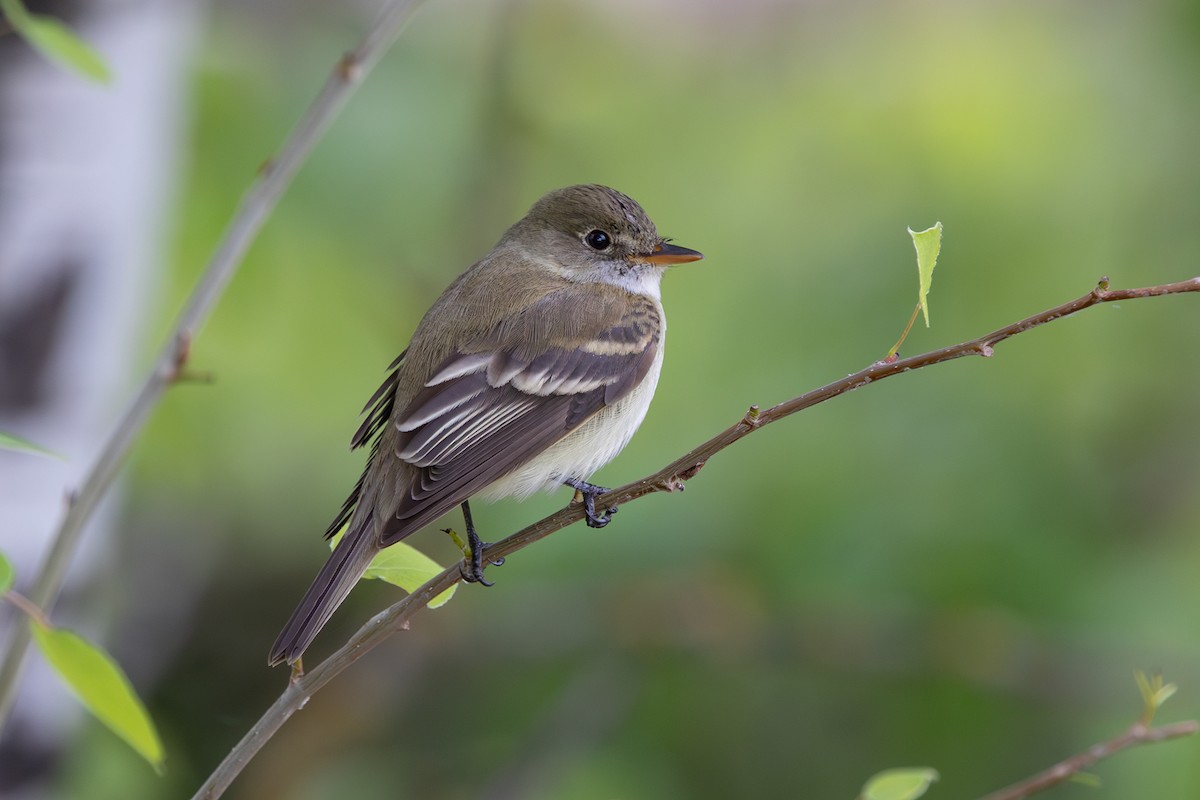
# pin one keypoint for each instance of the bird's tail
(345, 566)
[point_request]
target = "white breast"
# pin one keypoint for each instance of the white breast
(590, 446)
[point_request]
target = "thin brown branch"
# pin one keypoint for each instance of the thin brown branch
(249, 217)
(27, 607)
(670, 478)
(1064, 770)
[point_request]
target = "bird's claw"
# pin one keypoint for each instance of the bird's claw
(472, 565)
(593, 519)
(589, 492)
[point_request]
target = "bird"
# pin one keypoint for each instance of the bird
(532, 370)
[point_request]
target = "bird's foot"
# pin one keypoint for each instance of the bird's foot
(474, 551)
(589, 492)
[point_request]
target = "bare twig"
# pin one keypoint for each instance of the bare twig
(28, 608)
(256, 206)
(670, 478)
(1137, 734)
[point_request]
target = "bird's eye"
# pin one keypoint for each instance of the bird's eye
(598, 240)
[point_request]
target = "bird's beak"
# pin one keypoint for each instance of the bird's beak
(667, 254)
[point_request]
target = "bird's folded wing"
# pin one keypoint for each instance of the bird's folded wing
(377, 411)
(488, 411)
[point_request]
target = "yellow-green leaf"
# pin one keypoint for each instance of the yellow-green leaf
(10, 442)
(55, 41)
(1143, 684)
(1154, 691)
(7, 574)
(404, 566)
(908, 783)
(928, 243)
(102, 687)
(1164, 693)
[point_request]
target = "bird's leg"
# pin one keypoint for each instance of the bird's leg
(472, 567)
(589, 492)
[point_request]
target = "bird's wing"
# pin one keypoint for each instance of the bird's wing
(487, 411)
(377, 410)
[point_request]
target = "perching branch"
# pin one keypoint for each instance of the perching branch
(1137, 734)
(670, 478)
(256, 206)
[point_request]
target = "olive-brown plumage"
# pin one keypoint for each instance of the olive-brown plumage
(534, 367)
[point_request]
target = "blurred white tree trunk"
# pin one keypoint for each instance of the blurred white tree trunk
(87, 178)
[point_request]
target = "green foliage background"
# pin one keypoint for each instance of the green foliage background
(958, 568)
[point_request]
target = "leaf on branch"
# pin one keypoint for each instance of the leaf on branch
(907, 783)
(7, 574)
(404, 566)
(1154, 693)
(10, 442)
(56, 42)
(928, 244)
(102, 687)
(1087, 779)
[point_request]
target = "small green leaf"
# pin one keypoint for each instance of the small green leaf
(928, 243)
(102, 687)
(10, 442)
(1143, 684)
(1154, 693)
(1087, 779)
(404, 566)
(7, 574)
(1164, 694)
(899, 784)
(56, 42)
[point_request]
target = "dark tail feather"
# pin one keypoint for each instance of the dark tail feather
(345, 566)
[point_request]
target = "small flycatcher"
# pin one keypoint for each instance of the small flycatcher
(531, 371)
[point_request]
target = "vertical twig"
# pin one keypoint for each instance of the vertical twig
(252, 212)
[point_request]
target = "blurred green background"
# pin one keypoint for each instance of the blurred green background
(958, 568)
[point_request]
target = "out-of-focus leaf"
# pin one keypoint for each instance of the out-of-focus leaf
(1154, 691)
(404, 566)
(908, 783)
(7, 574)
(928, 243)
(102, 687)
(1164, 693)
(10, 442)
(56, 41)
